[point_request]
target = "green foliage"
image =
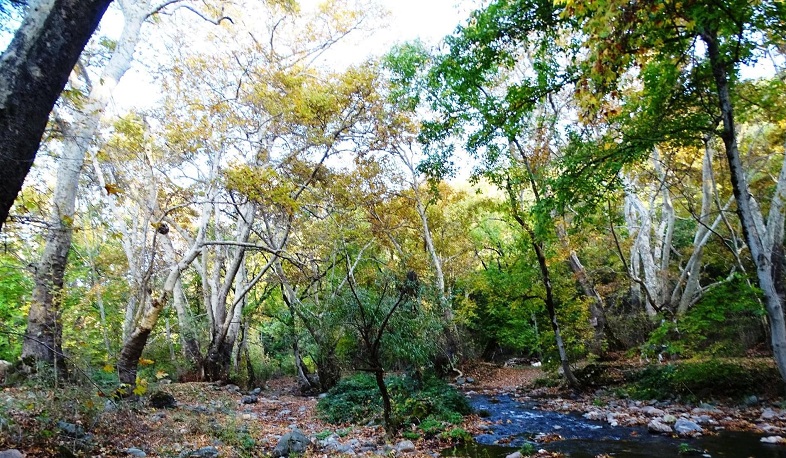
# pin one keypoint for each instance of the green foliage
(356, 400)
(725, 322)
(15, 289)
(697, 380)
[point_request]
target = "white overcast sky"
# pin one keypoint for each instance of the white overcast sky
(427, 20)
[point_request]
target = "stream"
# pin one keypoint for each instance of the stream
(516, 423)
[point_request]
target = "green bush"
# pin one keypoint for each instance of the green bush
(356, 399)
(725, 323)
(701, 380)
(352, 400)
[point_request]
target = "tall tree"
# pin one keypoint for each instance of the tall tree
(34, 70)
(42, 342)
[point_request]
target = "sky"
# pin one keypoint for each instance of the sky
(427, 20)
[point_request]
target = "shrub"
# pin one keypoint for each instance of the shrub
(356, 399)
(700, 380)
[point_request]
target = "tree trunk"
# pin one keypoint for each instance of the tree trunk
(33, 72)
(387, 409)
(132, 349)
(766, 256)
(78, 136)
(597, 309)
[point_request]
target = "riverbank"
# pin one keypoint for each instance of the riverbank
(207, 420)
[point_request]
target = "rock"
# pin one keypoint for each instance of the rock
(668, 419)
(470, 380)
(751, 401)
(652, 411)
(515, 455)
(405, 446)
(5, 367)
(71, 429)
(133, 451)
(255, 391)
(250, 399)
(656, 427)
(232, 388)
(204, 452)
(460, 381)
(768, 414)
(11, 453)
(773, 440)
(162, 400)
(686, 427)
(293, 442)
(595, 415)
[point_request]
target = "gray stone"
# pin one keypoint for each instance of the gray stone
(232, 388)
(768, 414)
(255, 391)
(250, 399)
(162, 400)
(652, 411)
(204, 452)
(686, 427)
(405, 446)
(656, 427)
(773, 440)
(669, 419)
(515, 455)
(11, 453)
(470, 380)
(135, 452)
(71, 429)
(751, 400)
(293, 442)
(595, 415)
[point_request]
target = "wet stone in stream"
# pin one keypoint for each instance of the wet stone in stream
(513, 424)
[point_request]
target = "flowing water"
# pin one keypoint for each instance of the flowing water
(515, 424)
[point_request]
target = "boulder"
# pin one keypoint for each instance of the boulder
(291, 443)
(250, 399)
(515, 455)
(11, 453)
(162, 400)
(71, 429)
(133, 451)
(656, 427)
(5, 366)
(768, 414)
(652, 411)
(773, 440)
(405, 446)
(685, 427)
(595, 415)
(204, 452)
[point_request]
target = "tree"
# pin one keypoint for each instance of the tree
(34, 70)
(43, 330)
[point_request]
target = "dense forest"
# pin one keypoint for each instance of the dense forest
(562, 184)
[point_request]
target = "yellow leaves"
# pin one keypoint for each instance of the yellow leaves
(141, 386)
(113, 189)
(108, 368)
(146, 362)
(161, 374)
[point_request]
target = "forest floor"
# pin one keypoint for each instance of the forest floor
(210, 418)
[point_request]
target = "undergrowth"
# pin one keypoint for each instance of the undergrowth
(431, 405)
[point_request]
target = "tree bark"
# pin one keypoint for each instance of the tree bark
(43, 327)
(766, 250)
(33, 72)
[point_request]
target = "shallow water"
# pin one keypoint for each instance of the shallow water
(516, 423)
